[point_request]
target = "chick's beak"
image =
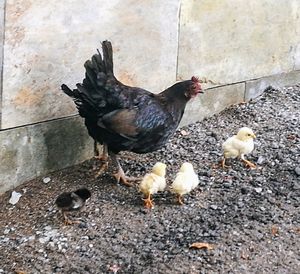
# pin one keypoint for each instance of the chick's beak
(254, 136)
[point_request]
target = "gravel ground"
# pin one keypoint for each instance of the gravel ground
(251, 217)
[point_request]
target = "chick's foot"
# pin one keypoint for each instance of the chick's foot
(180, 200)
(223, 164)
(249, 164)
(148, 202)
(67, 221)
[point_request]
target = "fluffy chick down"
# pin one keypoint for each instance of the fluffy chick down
(186, 180)
(239, 145)
(153, 182)
(72, 201)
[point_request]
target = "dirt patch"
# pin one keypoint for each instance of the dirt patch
(249, 218)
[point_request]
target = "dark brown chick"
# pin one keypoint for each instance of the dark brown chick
(72, 201)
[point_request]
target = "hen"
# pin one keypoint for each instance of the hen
(125, 118)
(239, 145)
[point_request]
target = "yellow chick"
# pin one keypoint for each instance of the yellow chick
(186, 180)
(153, 182)
(239, 145)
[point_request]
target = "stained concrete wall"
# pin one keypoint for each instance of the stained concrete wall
(47, 42)
(231, 41)
(236, 54)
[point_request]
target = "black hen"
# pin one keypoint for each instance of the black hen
(125, 118)
(70, 201)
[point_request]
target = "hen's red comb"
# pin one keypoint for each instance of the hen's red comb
(195, 79)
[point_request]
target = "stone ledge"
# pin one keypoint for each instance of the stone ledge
(213, 101)
(255, 88)
(35, 150)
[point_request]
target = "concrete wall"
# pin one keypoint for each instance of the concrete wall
(237, 48)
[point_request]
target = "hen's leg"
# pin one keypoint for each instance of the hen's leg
(248, 163)
(103, 159)
(120, 175)
(148, 202)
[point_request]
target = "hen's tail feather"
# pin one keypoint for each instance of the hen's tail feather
(68, 91)
(91, 95)
(108, 56)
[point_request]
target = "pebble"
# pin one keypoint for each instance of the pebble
(258, 189)
(260, 160)
(46, 180)
(214, 207)
(44, 240)
(15, 197)
(297, 170)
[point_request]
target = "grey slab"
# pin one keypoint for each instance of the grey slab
(36, 150)
(47, 43)
(2, 17)
(213, 101)
(232, 41)
(254, 88)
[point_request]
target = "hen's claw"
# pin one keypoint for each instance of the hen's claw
(103, 167)
(121, 178)
(120, 175)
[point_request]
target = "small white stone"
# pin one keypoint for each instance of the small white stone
(46, 180)
(44, 240)
(15, 196)
(31, 238)
(258, 189)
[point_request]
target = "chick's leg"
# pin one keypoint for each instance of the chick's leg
(120, 175)
(148, 202)
(67, 221)
(179, 199)
(103, 158)
(223, 163)
(248, 163)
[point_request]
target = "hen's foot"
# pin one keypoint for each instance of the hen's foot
(121, 177)
(148, 202)
(249, 164)
(103, 167)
